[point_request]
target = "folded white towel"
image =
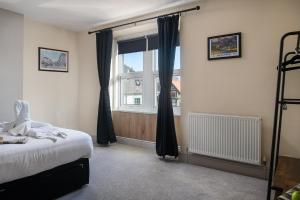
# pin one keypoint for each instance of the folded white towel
(22, 112)
(5, 126)
(50, 130)
(38, 135)
(46, 132)
(24, 126)
(13, 140)
(21, 129)
(43, 132)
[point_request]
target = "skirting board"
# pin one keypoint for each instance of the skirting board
(136, 142)
(205, 161)
(139, 143)
(131, 141)
(226, 165)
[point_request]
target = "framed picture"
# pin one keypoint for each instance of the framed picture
(224, 46)
(53, 60)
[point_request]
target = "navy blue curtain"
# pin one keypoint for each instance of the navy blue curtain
(105, 129)
(166, 142)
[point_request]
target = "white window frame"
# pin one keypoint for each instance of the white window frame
(149, 76)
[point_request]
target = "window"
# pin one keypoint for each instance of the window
(176, 61)
(132, 78)
(176, 80)
(138, 78)
(137, 101)
(133, 62)
(175, 91)
(132, 88)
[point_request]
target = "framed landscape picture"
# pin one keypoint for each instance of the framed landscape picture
(224, 46)
(53, 60)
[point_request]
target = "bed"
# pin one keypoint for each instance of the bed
(41, 169)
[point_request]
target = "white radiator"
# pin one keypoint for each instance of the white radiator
(224, 136)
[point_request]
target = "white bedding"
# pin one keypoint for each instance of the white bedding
(37, 155)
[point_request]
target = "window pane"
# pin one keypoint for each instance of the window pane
(156, 59)
(132, 62)
(175, 91)
(176, 61)
(132, 91)
(177, 58)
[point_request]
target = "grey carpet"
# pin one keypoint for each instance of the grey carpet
(122, 172)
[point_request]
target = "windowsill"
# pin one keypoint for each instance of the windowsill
(140, 111)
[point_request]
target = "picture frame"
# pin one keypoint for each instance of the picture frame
(53, 60)
(224, 46)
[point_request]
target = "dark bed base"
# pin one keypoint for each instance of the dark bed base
(49, 184)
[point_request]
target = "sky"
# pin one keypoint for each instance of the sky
(135, 60)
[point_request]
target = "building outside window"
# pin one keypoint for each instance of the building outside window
(138, 80)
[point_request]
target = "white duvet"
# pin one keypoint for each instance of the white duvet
(22, 160)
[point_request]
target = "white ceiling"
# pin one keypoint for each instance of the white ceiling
(84, 14)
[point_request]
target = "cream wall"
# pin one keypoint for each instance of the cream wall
(11, 61)
(244, 86)
(53, 95)
(89, 83)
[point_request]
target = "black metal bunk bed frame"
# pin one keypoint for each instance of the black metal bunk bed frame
(281, 102)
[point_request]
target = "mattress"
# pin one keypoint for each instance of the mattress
(38, 155)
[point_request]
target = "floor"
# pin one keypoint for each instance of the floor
(123, 172)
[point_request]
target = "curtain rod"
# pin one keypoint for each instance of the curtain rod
(142, 20)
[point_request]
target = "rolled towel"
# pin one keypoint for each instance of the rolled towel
(47, 132)
(13, 140)
(40, 135)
